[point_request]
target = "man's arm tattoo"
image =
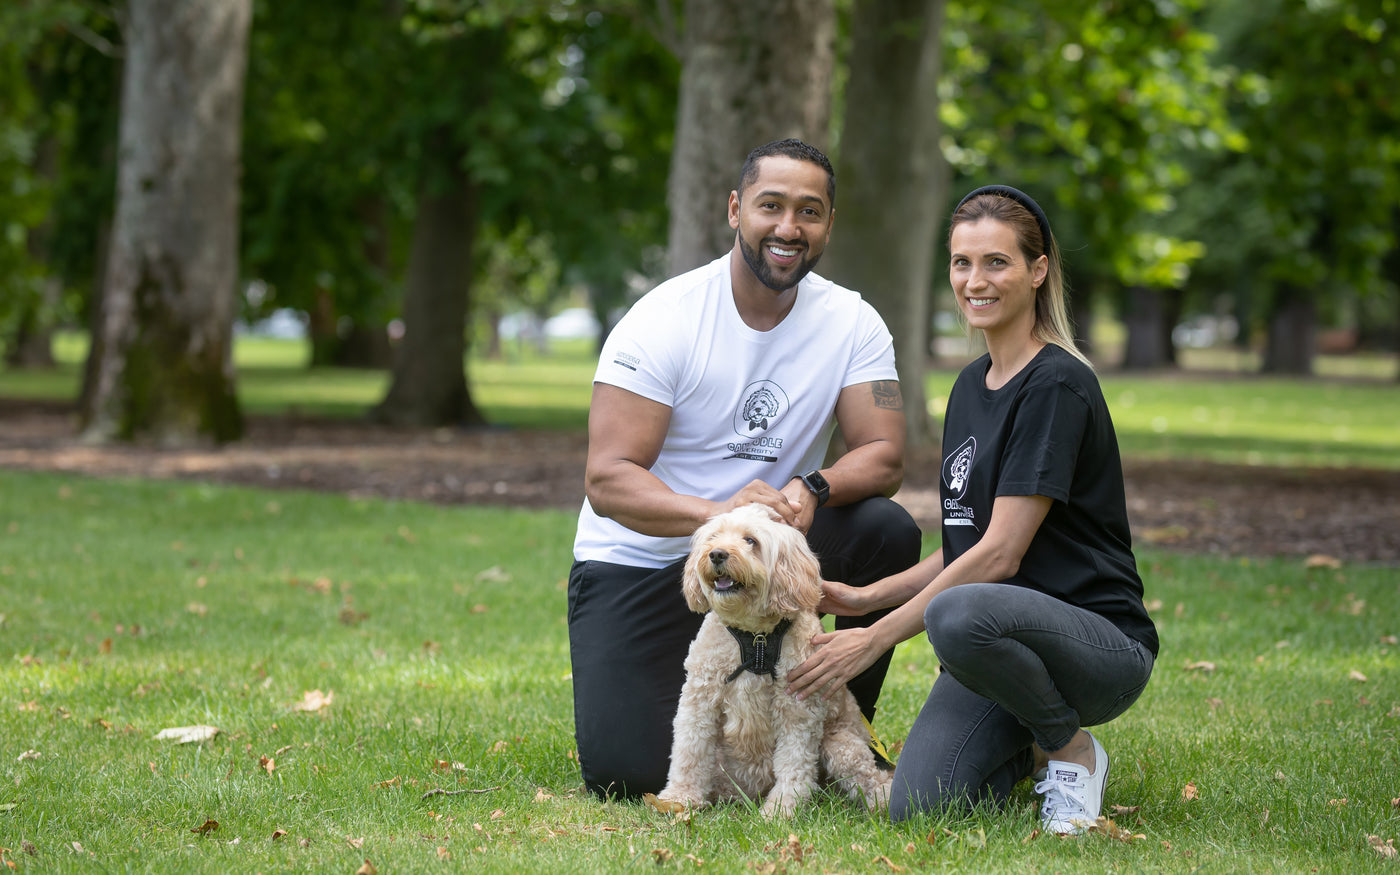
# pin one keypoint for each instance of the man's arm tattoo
(887, 395)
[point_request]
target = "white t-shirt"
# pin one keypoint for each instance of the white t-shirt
(745, 404)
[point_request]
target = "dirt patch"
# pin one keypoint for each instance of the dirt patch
(1352, 515)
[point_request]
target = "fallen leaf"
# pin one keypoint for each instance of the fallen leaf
(1322, 560)
(29, 755)
(1385, 848)
(662, 855)
(1189, 792)
(542, 796)
(665, 806)
(207, 827)
(188, 734)
(1390, 639)
(198, 609)
(28, 847)
(1356, 676)
(313, 700)
(1201, 666)
(367, 869)
(354, 843)
(1126, 809)
(494, 574)
(267, 764)
(443, 853)
(1106, 826)
(278, 833)
(888, 862)
(1337, 803)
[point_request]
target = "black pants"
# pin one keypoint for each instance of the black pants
(630, 629)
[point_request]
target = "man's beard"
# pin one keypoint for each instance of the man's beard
(764, 271)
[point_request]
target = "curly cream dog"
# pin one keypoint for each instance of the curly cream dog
(737, 732)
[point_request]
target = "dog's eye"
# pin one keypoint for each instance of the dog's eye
(750, 541)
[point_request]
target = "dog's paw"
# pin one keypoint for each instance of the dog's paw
(781, 805)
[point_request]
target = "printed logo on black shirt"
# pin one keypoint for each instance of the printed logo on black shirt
(956, 470)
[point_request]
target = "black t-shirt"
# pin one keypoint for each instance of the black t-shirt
(1046, 432)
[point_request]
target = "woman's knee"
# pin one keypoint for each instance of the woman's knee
(960, 623)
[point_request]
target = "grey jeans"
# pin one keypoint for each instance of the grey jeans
(1018, 667)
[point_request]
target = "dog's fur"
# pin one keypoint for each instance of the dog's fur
(750, 737)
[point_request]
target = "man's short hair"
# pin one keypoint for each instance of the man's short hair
(789, 148)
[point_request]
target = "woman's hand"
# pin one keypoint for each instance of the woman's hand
(841, 600)
(840, 656)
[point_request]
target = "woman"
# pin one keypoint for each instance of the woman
(1034, 604)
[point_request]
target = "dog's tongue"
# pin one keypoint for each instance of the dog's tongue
(723, 584)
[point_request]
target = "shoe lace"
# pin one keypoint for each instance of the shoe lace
(1064, 800)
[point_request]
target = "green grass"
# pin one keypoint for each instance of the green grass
(1191, 414)
(131, 607)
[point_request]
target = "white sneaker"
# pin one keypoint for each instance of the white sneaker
(1073, 796)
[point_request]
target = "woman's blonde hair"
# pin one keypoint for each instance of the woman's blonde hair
(1025, 218)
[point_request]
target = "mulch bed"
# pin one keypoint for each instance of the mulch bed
(1347, 514)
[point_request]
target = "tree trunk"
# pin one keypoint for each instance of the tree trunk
(1148, 344)
(751, 73)
(165, 367)
(357, 339)
(1292, 338)
(893, 181)
(429, 385)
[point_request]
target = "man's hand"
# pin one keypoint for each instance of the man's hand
(802, 502)
(758, 492)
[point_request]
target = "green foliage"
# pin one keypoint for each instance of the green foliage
(439, 636)
(560, 115)
(58, 96)
(1314, 206)
(1091, 106)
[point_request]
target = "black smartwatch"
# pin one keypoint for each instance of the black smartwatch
(814, 481)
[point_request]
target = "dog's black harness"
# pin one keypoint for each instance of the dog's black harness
(759, 651)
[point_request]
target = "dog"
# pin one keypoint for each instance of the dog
(738, 733)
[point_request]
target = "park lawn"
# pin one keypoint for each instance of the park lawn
(1267, 741)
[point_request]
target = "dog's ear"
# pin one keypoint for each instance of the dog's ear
(694, 592)
(794, 574)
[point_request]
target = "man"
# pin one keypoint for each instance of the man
(719, 388)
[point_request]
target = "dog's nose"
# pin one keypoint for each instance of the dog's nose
(717, 556)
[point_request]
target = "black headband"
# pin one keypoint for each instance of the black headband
(1019, 197)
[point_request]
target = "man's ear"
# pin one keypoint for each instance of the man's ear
(734, 210)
